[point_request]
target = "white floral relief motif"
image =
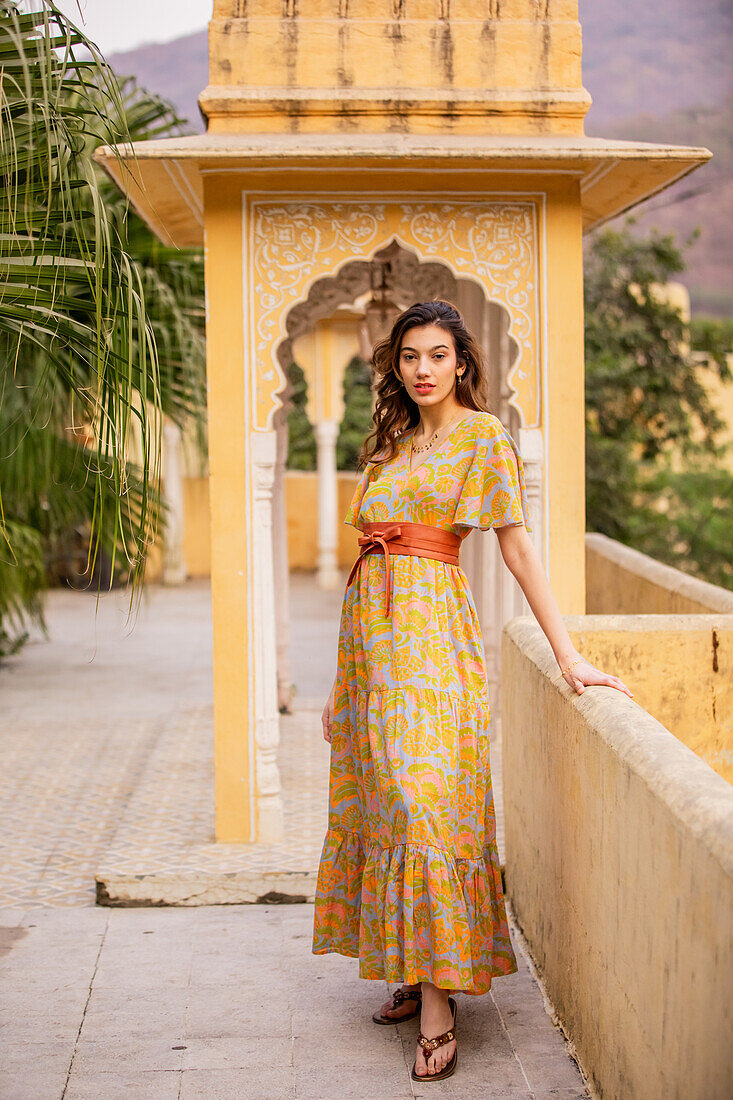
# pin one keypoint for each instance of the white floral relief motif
(495, 243)
(294, 243)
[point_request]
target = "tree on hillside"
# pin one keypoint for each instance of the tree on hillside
(101, 328)
(646, 409)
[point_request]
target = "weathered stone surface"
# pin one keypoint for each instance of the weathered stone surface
(257, 1016)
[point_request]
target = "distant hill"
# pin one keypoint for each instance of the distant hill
(702, 201)
(670, 57)
(673, 59)
(662, 55)
(176, 70)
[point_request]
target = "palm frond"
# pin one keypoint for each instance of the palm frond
(101, 328)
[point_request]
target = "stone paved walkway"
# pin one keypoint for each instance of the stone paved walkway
(81, 716)
(227, 1003)
(214, 1001)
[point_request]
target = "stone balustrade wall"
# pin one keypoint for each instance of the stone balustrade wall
(623, 581)
(619, 869)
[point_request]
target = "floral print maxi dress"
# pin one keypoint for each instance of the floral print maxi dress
(409, 879)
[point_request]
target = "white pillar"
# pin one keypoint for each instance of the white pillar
(280, 566)
(174, 562)
(267, 720)
(326, 432)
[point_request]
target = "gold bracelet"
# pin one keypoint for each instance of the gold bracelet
(574, 663)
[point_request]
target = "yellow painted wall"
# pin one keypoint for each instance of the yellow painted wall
(154, 565)
(197, 526)
(323, 353)
(427, 66)
(302, 518)
(619, 870)
(228, 509)
(302, 522)
(563, 419)
(680, 669)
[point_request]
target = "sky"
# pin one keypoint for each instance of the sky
(117, 25)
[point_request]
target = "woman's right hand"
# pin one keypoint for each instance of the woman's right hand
(327, 716)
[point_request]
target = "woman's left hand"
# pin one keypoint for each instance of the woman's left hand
(584, 674)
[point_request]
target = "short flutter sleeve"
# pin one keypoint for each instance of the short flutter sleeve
(494, 493)
(352, 512)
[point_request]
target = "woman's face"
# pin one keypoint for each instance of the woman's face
(427, 364)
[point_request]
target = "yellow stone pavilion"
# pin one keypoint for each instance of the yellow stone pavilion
(440, 142)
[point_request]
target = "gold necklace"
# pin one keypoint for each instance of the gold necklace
(425, 446)
(429, 444)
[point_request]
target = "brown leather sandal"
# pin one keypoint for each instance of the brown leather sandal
(429, 1045)
(398, 998)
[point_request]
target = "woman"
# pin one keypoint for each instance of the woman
(409, 879)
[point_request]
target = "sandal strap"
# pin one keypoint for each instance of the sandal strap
(401, 995)
(429, 1045)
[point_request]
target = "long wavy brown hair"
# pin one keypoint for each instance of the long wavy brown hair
(395, 412)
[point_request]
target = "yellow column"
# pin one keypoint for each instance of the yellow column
(564, 416)
(228, 489)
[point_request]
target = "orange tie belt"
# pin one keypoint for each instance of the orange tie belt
(421, 539)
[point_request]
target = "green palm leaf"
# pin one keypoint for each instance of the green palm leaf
(101, 327)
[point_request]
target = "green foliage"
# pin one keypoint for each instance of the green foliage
(691, 523)
(301, 437)
(100, 326)
(355, 424)
(357, 419)
(713, 335)
(22, 579)
(642, 386)
(645, 403)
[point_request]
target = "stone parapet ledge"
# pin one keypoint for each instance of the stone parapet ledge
(622, 580)
(619, 870)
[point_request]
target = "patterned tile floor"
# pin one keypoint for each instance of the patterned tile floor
(81, 714)
(167, 832)
(106, 749)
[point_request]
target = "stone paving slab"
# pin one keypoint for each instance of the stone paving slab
(164, 852)
(229, 1002)
(106, 756)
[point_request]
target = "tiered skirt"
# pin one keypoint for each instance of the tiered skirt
(409, 880)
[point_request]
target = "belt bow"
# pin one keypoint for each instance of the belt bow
(376, 539)
(405, 537)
